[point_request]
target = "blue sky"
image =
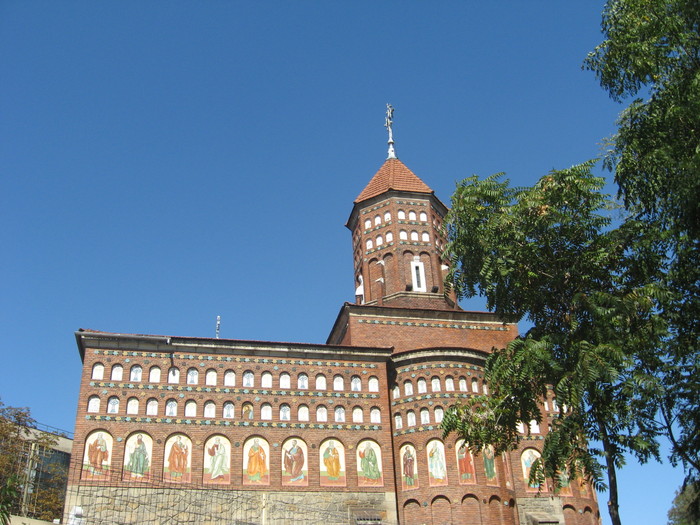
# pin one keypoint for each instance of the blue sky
(163, 163)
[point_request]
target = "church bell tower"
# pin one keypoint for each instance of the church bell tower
(396, 224)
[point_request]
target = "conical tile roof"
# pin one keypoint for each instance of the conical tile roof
(393, 175)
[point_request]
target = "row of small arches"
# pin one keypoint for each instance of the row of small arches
(401, 214)
(173, 408)
(436, 386)
(211, 378)
(403, 236)
(424, 414)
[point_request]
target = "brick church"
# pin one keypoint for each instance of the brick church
(177, 429)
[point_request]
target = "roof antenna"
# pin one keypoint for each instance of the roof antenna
(218, 325)
(388, 121)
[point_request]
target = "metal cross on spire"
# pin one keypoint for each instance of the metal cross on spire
(388, 122)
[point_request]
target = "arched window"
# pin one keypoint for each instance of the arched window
(113, 405)
(209, 410)
(338, 383)
(339, 414)
(369, 244)
(266, 380)
(387, 216)
(303, 414)
(449, 384)
(411, 418)
(356, 384)
(373, 384)
(380, 240)
(321, 413)
(173, 375)
(132, 406)
(423, 216)
(171, 408)
(191, 409)
(389, 236)
(425, 237)
(357, 415)
(117, 373)
(98, 371)
(439, 412)
(402, 214)
(534, 427)
(135, 375)
(303, 382)
(93, 404)
(375, 415)
(424, 416)
(368, 224)
(422, 386)
(408, 388)
(520, 427)
(248, 380)
(285, 380)
(546, 406)
(414, 235)
(377, 220)
(152, 407)
(210, 377)
(463, 384)
(403, 235)
(555, 406)
(154, 375)
(411, 215)
(485, 388)
(247, 411)
(435, 384)
(230, 378)
(285, 412)
(396, 392)
(229, 410)
(320, 382)
(398, 422)
(266, 411)
(475, 385)
(192, 376)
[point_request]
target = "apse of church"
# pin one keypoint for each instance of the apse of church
(201, 430)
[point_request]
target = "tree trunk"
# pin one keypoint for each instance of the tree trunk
(613, 505)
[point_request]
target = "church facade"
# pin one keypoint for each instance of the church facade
(201, 430)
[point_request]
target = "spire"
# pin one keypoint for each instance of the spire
(388, 122)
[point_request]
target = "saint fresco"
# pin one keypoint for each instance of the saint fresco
(490, 465)
(217, 455)
(332, 463)
(97, 457)
(465, 463)
(527, 459)
(138, 452)
(256, 466)
(178, 459)
(409, 468)
(369, 464)
(437, 469)
(294, 463)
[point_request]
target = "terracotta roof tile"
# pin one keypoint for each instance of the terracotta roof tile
(393, 175)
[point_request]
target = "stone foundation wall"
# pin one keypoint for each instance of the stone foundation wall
(155, 506)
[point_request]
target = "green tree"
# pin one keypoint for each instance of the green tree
(21, 443)
(651, 55)
(548, 254)
(685, 510)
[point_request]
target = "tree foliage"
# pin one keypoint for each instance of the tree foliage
(685, 510)
(651, 54)
(549, 254)
(20, 445)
